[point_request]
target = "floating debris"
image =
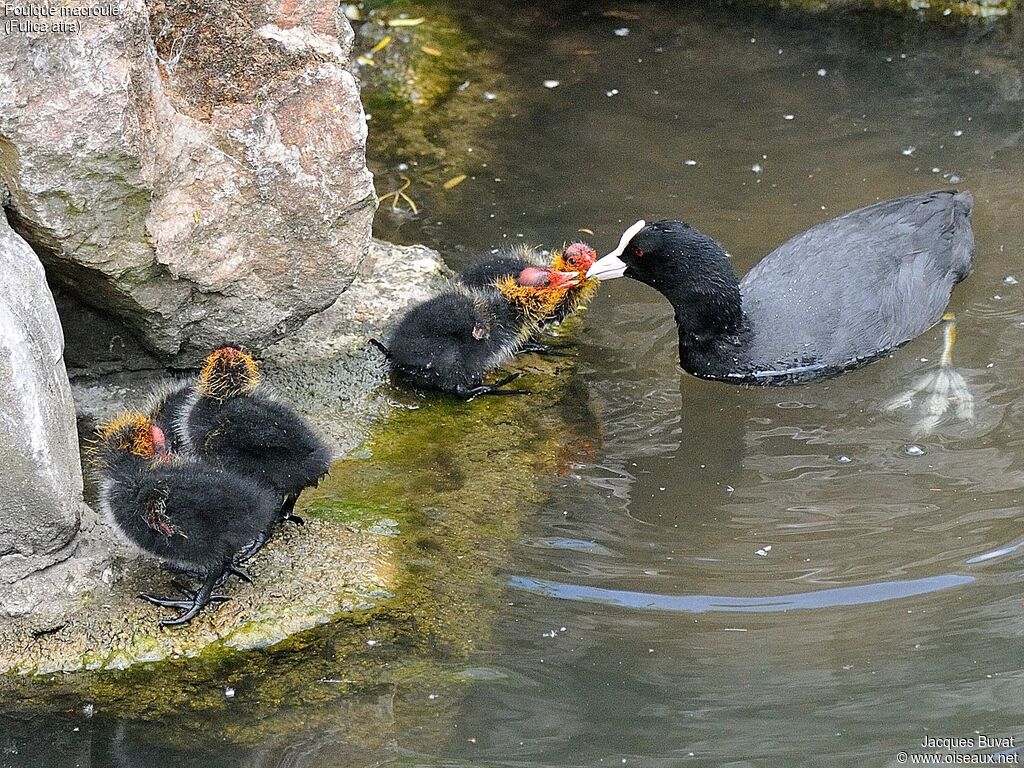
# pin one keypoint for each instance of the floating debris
(229, 693)
(490, 95)
(612, 92)
(789, 117)
(585, 231)
(454, 181)
(756, 168)
(622, 32)
(406, 22)
(843, 459)
(431, 51)
(913, 449)
(958, 132)
(689, 162)
(763, 552)
(822, 72)
(909, 151)
(616, 14)
(380, 46)
(552, 83)
(1010, 280)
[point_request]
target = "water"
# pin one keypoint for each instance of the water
(731, 577)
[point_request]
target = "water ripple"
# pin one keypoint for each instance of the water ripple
(823, 598)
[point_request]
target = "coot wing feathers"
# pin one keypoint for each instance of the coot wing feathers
(853, 287)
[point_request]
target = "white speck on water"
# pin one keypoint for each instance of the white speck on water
(913, 449)
(763, 552)
(464, 85)
(612, 92)
(490, 95)
(371, 643)
(689, 162)
(1010, 280)
(909, 151)
(788, 117)
(622, 31)
(756, 168)
(936, 170)
(997, 297)
(403, 166)
(753, 39)
(229, 693)
(432, 696)
(729, 489)
(551, 83)
(954, 178)
(958, 132)
(822, 72)
(844, 459)
(88, 710)
(947, 12)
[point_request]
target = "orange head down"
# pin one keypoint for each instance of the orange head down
(228, 372)
(537, 291)
(131, 433)
(577, 257)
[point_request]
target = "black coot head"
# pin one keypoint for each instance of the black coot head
(666, 246)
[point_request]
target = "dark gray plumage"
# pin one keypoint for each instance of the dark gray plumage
(832, 298)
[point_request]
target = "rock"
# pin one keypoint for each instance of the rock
(41, 507)
(199, 173)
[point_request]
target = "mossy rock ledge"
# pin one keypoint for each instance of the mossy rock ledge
(394, 576)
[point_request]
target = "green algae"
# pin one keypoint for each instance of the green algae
(448, 484)
(425, 91)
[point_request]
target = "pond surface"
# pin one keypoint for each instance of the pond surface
(780, 577)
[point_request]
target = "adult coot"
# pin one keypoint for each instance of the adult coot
(833, 298)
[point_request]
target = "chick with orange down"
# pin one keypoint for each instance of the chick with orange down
(194, 517)
(450, 342)
(576, 257)
(230, 419)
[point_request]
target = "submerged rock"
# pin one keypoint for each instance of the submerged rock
(41, 507)
(199, 173)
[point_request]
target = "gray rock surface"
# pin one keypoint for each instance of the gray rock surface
(41, 507)
(194, 168)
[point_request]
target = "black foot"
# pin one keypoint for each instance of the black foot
(190, 593)
(380, 345)
(551, 350)
(241, 573)
(191, 607)
(468, 393)
(167, 602)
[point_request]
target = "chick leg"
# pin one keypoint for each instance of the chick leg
(287, 508)
(946, 388)
(551, 350)
(252, 547)
(468, 393)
